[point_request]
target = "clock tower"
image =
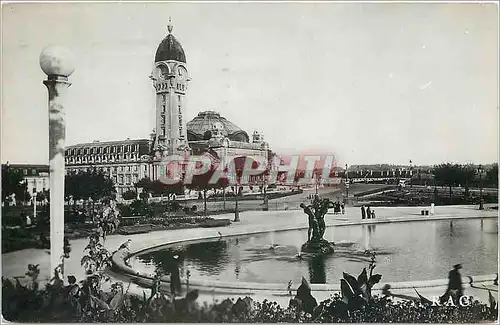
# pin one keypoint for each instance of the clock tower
(170, 81)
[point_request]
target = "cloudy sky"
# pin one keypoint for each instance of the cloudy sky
(374, 83)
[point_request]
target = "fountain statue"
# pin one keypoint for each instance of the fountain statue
(317, 227)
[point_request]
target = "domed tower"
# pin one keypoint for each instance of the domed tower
(170, 80)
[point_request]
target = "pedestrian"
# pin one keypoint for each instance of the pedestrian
(455, 288)
(28, 221)
(342, 206)
(373, 214)
(175, 278)
(363, 213)
(368, 213)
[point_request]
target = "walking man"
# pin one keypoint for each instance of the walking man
(368, 213)
(363, 213)
(455, 288)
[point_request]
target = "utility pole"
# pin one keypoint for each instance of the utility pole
(346, 183)
(480, 171)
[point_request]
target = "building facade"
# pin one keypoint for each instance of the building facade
(36, 177)
(128, 161)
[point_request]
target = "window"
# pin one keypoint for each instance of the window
(121, 179)
(128, 179)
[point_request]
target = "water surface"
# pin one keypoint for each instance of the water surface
(407, 251)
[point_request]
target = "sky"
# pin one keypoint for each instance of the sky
(370, 82)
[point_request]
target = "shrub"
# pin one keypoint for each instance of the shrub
(129, 195)
(141, 208)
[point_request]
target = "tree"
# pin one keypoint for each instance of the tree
(203, 183)
(93, 184)
(43, 195)
(13, 183)
(129, 195)
(466, 176)
(145, 185)
(491, 178)
(448, 175)
(157, 187)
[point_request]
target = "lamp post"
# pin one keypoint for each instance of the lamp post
(480, 172)
(346, 184)
(411, 174)
(266, 201)
(317, 183)
(34, 206)
(236, 211)
(57, 63)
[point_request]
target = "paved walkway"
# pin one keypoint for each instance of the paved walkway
(15, 263)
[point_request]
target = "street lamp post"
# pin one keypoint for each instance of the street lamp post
(346, 183)
(480, 172)
(266, 201)
(57, 63)
(317, 184)
(411, 174)
(236, 211)
(34, 206)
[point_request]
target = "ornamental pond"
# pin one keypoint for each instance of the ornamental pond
(405, 251)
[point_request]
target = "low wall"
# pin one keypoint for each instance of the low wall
(250, 288)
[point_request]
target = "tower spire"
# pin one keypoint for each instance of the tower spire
(169, 26)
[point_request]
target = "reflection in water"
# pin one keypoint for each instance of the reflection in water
(237, 257)
(211, 257)
(317, 273)
(367, 233)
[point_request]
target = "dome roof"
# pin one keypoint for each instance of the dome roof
(201, 126)
(170, 49)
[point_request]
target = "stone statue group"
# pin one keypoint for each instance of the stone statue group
(316, 215)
